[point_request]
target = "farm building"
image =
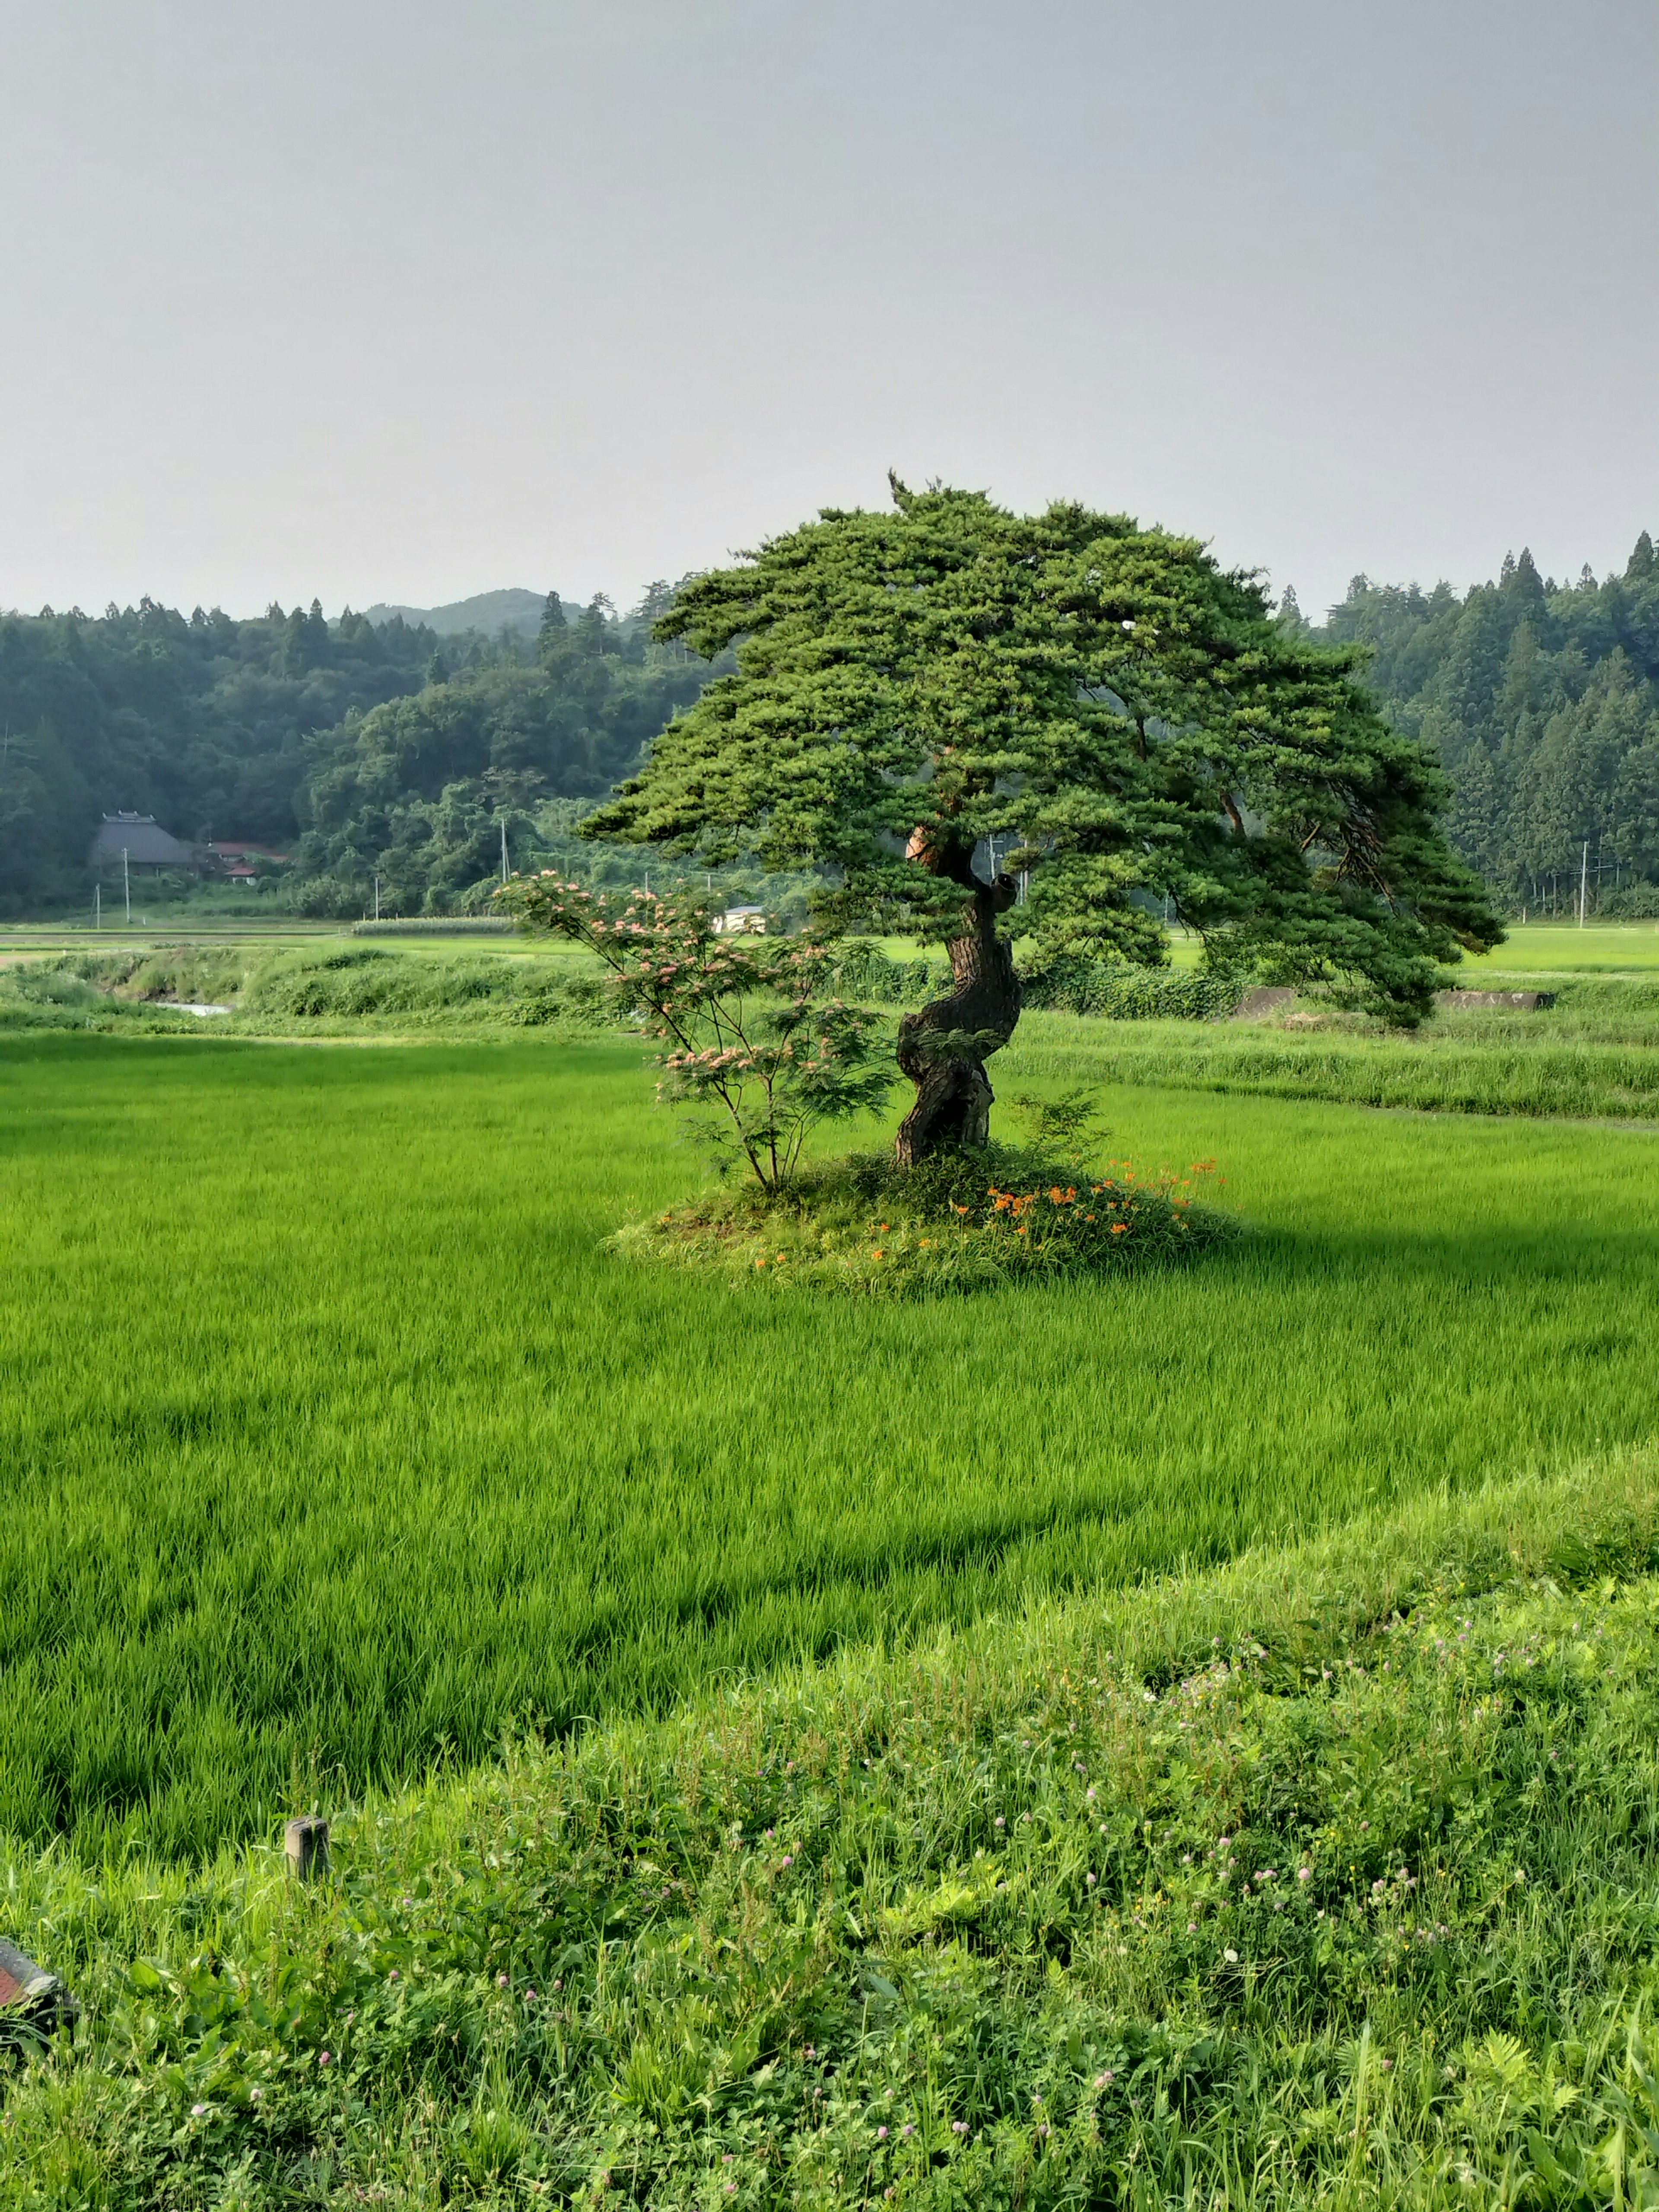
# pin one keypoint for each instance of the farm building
(241, 863)
(144, 842)
(740, 919)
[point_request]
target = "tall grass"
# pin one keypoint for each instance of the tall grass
(1327, 1879)
(341, 989)
(332, 1444)
(1493, 1064)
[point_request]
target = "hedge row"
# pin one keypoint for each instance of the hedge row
(436, 926)
(1073, 983)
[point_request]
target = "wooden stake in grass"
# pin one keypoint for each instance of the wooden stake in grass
(306, 1838)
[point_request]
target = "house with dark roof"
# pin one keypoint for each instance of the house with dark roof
(142, 840)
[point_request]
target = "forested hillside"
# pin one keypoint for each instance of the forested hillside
(203, 721)
(371, 749)
(357, 747)
(418, 792)
(1542, 700)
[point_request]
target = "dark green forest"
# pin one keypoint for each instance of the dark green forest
(356, 748)
(367, 750)
(1542, 701)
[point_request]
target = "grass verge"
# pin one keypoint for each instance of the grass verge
(1329, 1877)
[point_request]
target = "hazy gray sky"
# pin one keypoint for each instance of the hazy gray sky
(376, 301)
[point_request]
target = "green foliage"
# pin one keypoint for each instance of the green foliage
(1076, 982)
(389, 755)
(1326, 1880)
(205, 722)
(1636, 903)
(335, 1443)
(863, 971)
(419, 791)
(1124, 713)
(1069, 1126)
(115, 991)
(1542, 702)
(749, 1029)
(957, 1221)
(274, 993)
(346, 986)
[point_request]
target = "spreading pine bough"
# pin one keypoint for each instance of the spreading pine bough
(1329, 1877)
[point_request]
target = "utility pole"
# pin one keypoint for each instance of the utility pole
(126, 886)
(97, 906)
(1584, 884)
(377, 898)
(503, 849)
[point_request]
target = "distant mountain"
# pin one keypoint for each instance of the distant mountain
(488, 611)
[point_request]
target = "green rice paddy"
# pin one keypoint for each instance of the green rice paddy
(333, 1446)
(1544, 948)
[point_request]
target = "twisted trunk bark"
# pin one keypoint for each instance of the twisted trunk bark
(943, 1048)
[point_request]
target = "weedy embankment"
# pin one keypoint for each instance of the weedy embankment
(1330, 1877)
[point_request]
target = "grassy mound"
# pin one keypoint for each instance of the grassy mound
(962, 1221)
(1329, 1878)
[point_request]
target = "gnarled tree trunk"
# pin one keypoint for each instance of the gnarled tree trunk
(943, 1048)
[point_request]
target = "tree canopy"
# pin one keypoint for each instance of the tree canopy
(1539, 700)
(1126, 718)
(915, 687)
(207, 721)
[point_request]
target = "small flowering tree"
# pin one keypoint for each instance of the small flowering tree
(749, 1028)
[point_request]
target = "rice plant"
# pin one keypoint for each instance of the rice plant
(335, 1445)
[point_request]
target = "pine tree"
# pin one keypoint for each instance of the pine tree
(1126, 719)
(554, 635)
